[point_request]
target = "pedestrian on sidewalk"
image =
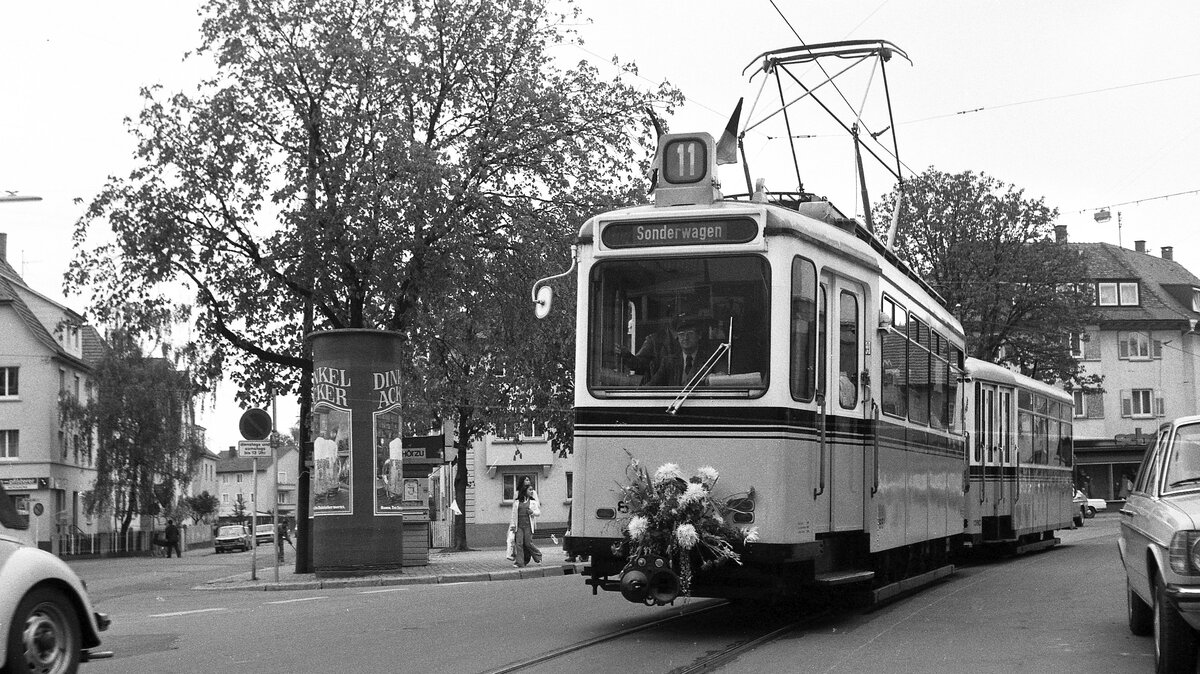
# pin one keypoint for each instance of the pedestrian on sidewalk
(281, 535)
(172, 536)
(525, 511)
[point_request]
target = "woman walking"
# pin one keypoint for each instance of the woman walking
(525, 512)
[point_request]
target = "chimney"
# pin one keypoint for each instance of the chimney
(3, 246)
(1168, 252)
(1060, 234)
(1139, 246)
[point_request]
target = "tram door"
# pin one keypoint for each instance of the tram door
(842, 499)
(985, 444)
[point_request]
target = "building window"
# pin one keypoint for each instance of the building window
(282, 498)
(1195, 299)
(9, 381)
(520, 431)
(1076, 341)
(224, 498)
(1141, 402)
(570, 485)
(1133, 346)
(239, 477)
(282, 476)
(511, 480)
(1117, 293)
(1080, 404)
(10, 445)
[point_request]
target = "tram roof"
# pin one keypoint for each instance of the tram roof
(983, 370)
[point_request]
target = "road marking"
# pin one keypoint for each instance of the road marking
(390, 589)
(200, 610)
(292, 601)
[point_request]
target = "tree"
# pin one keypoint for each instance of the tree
(138, 414)
(239, 509)
(203, 506)
(990, 253)
(347, 160)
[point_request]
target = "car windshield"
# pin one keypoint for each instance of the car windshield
(231, 531)
(1183, 462)
(647, 314)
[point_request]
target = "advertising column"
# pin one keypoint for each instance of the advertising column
(356, 411)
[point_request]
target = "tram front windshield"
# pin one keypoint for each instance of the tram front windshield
(667, 323)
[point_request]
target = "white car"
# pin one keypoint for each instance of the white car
(1088, 507)
(47, 622)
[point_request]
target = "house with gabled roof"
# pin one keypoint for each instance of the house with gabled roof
(46, 351)
(1146, 347)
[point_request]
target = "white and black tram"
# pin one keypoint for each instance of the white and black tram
(835, 392)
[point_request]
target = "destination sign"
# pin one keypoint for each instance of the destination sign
(679, 233)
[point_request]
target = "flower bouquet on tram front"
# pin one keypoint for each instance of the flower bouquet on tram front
(679, 521)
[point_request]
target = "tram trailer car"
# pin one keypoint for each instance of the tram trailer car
(1021, 457)
(839, 401)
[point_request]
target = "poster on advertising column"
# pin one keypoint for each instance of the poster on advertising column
(333, 462)
(387, 428)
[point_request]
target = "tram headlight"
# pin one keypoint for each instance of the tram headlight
(1184, 553)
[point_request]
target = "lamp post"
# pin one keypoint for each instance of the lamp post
(1103, 215)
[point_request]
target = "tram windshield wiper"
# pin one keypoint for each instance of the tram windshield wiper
(1186, 480)
(703, 372)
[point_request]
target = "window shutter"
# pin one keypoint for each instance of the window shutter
(1156, 348)
(1123, 345)
(1160, 405)
(1126, 404)
(1093, 404)
(1091, 347)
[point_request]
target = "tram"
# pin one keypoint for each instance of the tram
(835, 394)
(815, 383)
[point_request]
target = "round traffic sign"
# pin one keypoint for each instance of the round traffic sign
(38, 509)
(255, 424)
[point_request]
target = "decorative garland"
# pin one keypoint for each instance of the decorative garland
(680, 520)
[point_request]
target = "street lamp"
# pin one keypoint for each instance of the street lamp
(1103, 215)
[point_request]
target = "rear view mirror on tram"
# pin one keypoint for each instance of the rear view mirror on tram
(542, 301)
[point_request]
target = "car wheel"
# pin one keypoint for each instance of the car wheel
(1141, 616)
(1174, 639)
(1090, 512)
(44, 636)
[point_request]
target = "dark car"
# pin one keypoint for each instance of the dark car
(48, 623)
(232, 537)
(1160, 546)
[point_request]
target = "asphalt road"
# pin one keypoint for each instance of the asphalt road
(1057, 611)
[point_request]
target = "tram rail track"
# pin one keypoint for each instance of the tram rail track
(707, 663)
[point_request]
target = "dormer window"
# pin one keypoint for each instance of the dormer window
(1195, 299)
(1117, 293)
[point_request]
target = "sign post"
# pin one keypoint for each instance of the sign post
(255, 426)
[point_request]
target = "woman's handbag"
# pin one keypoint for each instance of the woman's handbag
(510, 554)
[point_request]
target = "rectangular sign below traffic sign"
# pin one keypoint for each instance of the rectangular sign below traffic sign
(251, 449)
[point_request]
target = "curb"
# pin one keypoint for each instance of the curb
(566, 569)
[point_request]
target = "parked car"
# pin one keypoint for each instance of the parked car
(232, 537)
(1088, 507)
(48, 621)
(1160, 546)
(264, 533)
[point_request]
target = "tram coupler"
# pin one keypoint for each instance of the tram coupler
(649, 579)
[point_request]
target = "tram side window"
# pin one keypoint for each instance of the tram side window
(804, 329)
(979, 433)
(1005, 431)
(939, 375)
(1024, 437)
(952, 402)
(1066, 439)
(848, 351)
(894, 388)
(918, 371)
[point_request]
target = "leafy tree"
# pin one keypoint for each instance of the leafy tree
(349, 160)
(137, 413)
(203, 506)
(990, 252)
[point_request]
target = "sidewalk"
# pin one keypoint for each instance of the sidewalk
(444, 567)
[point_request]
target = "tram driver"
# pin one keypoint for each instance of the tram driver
(695, 348)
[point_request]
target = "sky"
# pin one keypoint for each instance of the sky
(1085, 103)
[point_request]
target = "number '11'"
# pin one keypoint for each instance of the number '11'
(687, 159)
